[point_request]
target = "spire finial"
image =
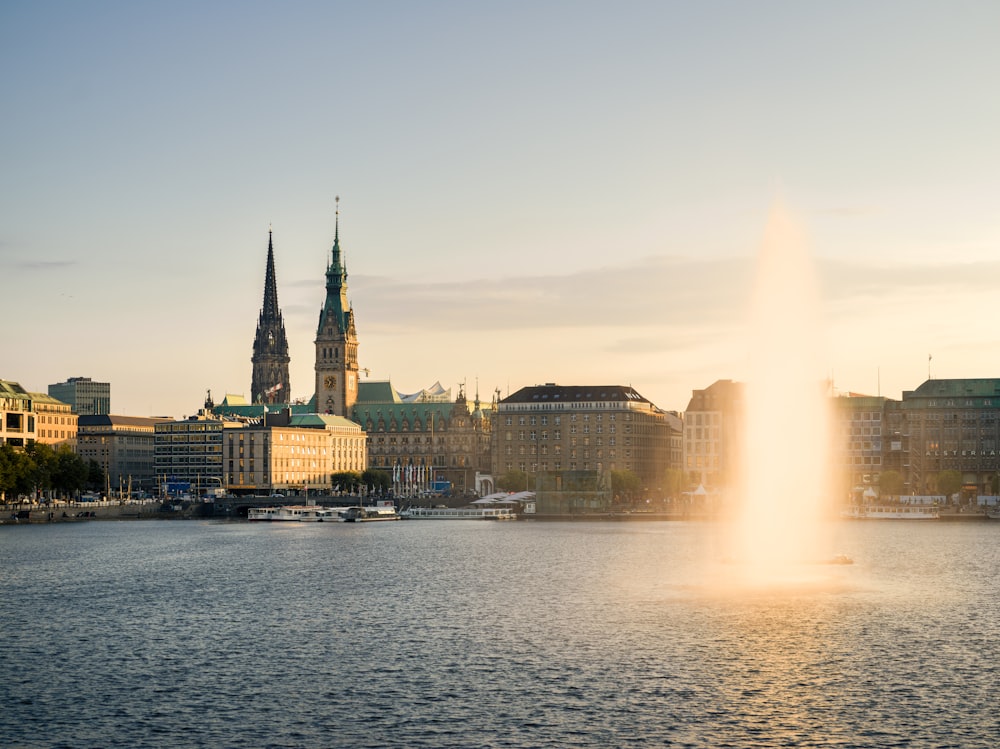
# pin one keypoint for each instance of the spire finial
(336, 218)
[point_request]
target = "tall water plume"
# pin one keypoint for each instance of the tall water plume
(785, 480)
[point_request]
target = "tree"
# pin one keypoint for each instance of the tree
(10, 467)
(890, 483)
(674, 481)
(513, 481)
(949, 482)
(95, 476)
(70, 472)
(624, 484)
(43, 460)
(346, 481)
(380, 481)
(16, 471)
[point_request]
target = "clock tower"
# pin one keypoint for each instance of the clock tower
(336, 339)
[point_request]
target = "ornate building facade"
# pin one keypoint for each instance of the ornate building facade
(426, 441)
(270, 383)
(336, 340)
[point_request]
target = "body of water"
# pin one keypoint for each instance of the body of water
(475, 634)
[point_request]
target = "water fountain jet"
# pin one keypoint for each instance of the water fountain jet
(784, 479)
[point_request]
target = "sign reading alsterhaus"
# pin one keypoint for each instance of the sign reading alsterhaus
(952, 425)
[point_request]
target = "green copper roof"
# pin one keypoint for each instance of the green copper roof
(377, 391)
(320, 421)
(982, 388)
(13, 390)
(256, 410)
(336, 308)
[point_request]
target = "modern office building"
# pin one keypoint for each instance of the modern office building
(124, 447)
(188, 454)
(84, 396)
(270, 382)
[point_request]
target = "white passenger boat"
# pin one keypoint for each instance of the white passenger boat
(384, 510)
(293, 513)
(891, 512)
(458, 513)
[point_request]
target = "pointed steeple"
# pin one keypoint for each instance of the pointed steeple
(270, 307)
(270, 359)
(336, 309)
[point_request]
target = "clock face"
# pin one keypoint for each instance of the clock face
(330, 381)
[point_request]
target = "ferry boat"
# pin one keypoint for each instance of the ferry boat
(293, 513)
(892, 512)
(458, 513)
(384, 510)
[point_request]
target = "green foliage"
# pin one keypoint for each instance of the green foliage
(11, 469)
(380, 480)
(95, 475)
(346, 481)
(890, 483)
(40, 467)
(674, 481)
(624, 483)
(514, 481)
(949, 482)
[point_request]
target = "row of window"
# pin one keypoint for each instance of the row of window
(557, 419)
(54, 433)
(573, 466)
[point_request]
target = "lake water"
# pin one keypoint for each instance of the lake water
(474, 634)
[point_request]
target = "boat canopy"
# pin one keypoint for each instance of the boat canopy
(502, 498)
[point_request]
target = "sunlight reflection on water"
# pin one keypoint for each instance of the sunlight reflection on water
(178, 634)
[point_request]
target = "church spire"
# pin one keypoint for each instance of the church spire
(270, 360)
(336, 309)
(270, 307)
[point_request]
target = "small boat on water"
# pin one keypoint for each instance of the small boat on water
(384, 510)
(293, 513)
(458, 513)
(891, 512)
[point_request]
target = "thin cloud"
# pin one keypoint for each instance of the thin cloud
(39, 265)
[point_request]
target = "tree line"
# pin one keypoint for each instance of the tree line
(43, 468)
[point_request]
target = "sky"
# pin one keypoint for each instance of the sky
(530, 192)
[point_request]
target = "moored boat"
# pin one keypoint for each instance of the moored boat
(384, 510)
(458, 513)
(891, 512)
(293, 513)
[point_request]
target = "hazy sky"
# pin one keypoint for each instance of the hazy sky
(570, 192)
